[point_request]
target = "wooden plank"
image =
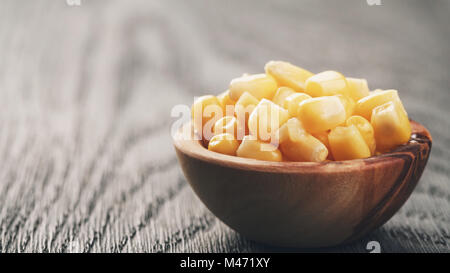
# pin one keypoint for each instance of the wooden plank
(86, 92)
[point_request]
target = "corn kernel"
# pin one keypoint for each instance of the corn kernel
(365, 128)
(349, 105)
(291, 129)
(391, 126)
(327, 83)
(227, 124)
(253, 148)
(261, 86)
(347, 143)
(266, 119)
(224, 144)
(365, 105)
(298, 145)
(281, 94)
(288, 75)
(245, 101)
(321, 114)
(290, 114)
(323, 137)
(243, 108)
(206, 110)
(358, 88)
(291, 103)
(227, 103)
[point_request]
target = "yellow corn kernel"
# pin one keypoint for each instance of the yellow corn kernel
(288, 75)
(365, 128)
(321, 114)
(227, 124)
(227, 103)
(347, 143)
(281, 94)
(323, 137)
(266, 119)
(291, 129)
(365, 105)
(243, 108)
(291, 103)
(206, 110)
(327, 83)
(358, 88)
(253, 148)
(298, 145)
(224, 144)
(245, 101)
(261, 86)
(349, 105)
(391, 126)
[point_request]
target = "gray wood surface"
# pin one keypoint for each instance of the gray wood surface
(87, 162)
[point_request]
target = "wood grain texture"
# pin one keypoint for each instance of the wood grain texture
(86, 92)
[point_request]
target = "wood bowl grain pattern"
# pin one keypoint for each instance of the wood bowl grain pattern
(303, 204)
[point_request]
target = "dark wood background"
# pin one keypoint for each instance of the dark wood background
(87, 162)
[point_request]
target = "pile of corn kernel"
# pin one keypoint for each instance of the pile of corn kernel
(291, 114)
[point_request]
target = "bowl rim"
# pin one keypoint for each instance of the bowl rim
(185, 143)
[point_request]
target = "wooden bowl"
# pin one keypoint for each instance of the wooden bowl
(304, 204)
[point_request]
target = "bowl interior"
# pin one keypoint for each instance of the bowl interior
(186, 141)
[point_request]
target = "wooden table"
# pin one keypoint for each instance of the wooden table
(87, 162)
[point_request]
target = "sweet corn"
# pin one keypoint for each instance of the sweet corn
(266, 119)
(227, 124)
(291, 129)
(253, 148)
(298, 145)
(281, 94)
(245, 101)
(347, 143)
(288, 75)
(290, 114)
(365, 129)
(206, 110)
(243, 108)
(327, 83)
(261, 86)
(391, 126)
(291, 103)
(349, 105)
(227, 103)
(224, 144)
(358, 88)
(323, 137)
(321, 114)
(365, 105)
